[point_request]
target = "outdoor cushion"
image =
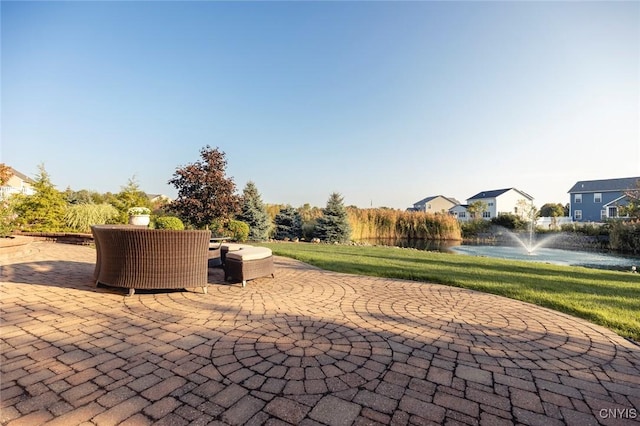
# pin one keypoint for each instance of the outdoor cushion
(250, 253)
(234, 246)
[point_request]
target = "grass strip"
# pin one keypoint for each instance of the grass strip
(607, 298)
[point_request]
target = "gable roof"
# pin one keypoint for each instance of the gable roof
(23, 177)
(622, 201)
(496, 193)
(605, 185)
(426, 200)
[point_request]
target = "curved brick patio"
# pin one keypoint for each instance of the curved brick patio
(308, 347)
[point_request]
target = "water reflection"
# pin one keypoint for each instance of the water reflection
(427, 245)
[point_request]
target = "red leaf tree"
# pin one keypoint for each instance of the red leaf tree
(205, 194)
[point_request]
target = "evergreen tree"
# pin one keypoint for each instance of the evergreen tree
(205, 194)
(254, 213)
(288, 224)
(129, 196)
(44, 210)
(333, 225)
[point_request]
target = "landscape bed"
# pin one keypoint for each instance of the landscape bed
(607, 298)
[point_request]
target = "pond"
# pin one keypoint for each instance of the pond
(589, 259)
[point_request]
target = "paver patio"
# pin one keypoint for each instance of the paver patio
(308, 347)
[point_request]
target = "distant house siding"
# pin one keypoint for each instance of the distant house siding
(490, 206)
(508, 202)
(596, 200)
(591, 210)
(460, 212)
(16, 185)
(436, 204)
(439, 205)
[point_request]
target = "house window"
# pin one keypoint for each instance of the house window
(462, 214)
(613, 212)
(597, 197)
(603, 214)
(490, 204)
(577, 215)
(486, 214)
(578, 198)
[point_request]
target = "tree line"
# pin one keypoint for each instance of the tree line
(207, 199)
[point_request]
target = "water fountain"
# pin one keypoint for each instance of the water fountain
(531, 243)
(531, 246)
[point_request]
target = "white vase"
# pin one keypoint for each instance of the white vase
(139, 219)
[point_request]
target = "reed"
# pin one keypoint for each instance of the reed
(397, 224)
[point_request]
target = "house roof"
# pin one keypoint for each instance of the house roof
(24, 177)
(496, 193)
(426, 200)
(605, 185)
(623, 201)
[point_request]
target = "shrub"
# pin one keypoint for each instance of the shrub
(80, 217)
(308, 229)
(6, 219)
(238, 230)
(169, 222)
(474, 228)
(590, 229)
(625, 237)
(509, 221)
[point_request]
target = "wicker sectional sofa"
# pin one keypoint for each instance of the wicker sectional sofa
(140, 258)
(247, 263)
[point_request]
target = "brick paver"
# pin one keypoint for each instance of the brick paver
(308, 347)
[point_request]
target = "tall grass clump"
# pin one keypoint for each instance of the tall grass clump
(80, 217)
(397, 224)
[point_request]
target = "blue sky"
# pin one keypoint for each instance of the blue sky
(384, 102)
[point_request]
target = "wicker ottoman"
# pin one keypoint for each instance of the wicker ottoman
(227, 247)
(248, 263)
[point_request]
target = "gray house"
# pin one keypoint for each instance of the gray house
(596, 200)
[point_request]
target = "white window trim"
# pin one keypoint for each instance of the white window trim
(577, 198)
(577, 214)
(597, 197)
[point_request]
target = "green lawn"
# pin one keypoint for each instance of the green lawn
(608, 298)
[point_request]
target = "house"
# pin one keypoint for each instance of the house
(158, 198)
(16, 184)
(498, 201)
(434, 204)
(596, 200)
(460, 212)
